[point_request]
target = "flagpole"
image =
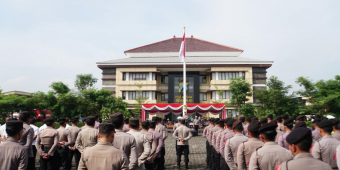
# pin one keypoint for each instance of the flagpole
(184, 83)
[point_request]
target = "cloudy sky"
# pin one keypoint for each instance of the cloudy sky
(45, 41)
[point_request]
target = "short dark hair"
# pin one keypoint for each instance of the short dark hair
(106, 129)
(145, 126)
(12, 132)
(269, 135)
(134, 126)
(182, 121)
(25, 115)
(49, 122)
(152, 124)
(289, 126)
(305, 144)
(126, 120)
(327, 129)
(239, 128)
(254, 133)
(74, 120)
(90, 122)
(336, 126)
(33, 121)
(117, 121)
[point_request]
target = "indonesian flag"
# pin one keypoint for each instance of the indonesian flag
(182, 50)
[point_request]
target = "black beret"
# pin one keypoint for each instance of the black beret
(316, 120)
(299, 134)
(288, 121)
(155, 118)
(242, 119)
(90, 118)
(216, 120)
(300, 124)
(49, 120)
(106, 127)
(108, 122)
(254, 118)
(335, 121)
(221, 123)
(301, 118)
(254, 126)
(279, 119)
(145, 123)
(134, 122)
(236, 123)
(15, 125)
(230, 122)
(274, 121)
(248, 119)
(285, 116)
(264, 120)
(270, 116)
(267, 127)
(117, 115)
(325, 123)
(226, 120)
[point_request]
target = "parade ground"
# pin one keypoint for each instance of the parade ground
(197, 156)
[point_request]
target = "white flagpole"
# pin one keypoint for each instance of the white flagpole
(184, 83)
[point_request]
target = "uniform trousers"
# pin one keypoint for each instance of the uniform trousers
(212, 156)
(149, 166)
(162, 158)
(63, 158)
(223, 164)
(48, 164)
(183, 149)
(196, 130)
(216, 163)
(207, 146)
(157, 163)
(76, 155)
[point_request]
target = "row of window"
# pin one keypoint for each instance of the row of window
(226, 75)
(152, 95)
(139, 76)
(165, 79)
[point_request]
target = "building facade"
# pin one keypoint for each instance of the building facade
(158, 72)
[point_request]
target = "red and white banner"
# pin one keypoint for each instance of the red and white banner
(182, 49)
(176, 109)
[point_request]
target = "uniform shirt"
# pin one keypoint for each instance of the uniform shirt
(224, 139)
(231, 147)
(103, 156)
(143, 146)
(211, 134)
(159, 141)
(316, 134)
(195, 121)
(175, 126)
(126, 127)
(182, 132)
(3, 131)
(49, 137)
(208, 133)
(27, 139)
(84, 127)
(245, 150)
(338, 157)
(327, 148)
(245, 130)
(96, 125)
(64, 135)
(336, 135)
(162, 130)
(36, 132)
(127, 143)
(217, 140)
(67, 126)
(74, 131)
(87, 137)
(304, 161)
(13, 156)
(42, 127)
(205, 131)
(280, 127)
(151, 138)
(269, 156)
(282, 140)
(279, 133)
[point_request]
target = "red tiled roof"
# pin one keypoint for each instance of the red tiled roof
(192, 45)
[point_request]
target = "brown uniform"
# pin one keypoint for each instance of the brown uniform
(325, 150)
(269, 157)
(87, 137)
(74, 131)
(103, 156)
(143, 147)
(127, 143)
(153, 143)
(64, 136)
(26, 141)
(13, 156)
(231, 150)
(304, 161)
(316, 134)
(245, 150)
(47, 141)
(336, 135)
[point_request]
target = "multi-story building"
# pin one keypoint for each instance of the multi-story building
(157, 67)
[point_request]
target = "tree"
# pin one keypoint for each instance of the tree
(248, 110)
(85, 81)
(60, 87)
(240, 91)
(219, 92)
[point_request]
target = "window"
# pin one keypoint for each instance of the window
(154, 76)
(225, 95)
(153, 95)
(213, 76)
(133, 95)
(164, 96)
(226, 75)
(124, 95)
(139, 76)
(165, 79)
(232, 113)
(124, 76)
(203, 79)
(203, 96)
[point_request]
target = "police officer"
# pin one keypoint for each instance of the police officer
(143, 145)
(247, 148)
(74, 131)
(270, 155)
(269, 118)
(245, 127)
(159, 140)
(230, 133)
(300, 124)
(207, 144)
(88, 136)
(336, 129)
(162, 130)
(125, 141)
(280, 125)
(182, 134)
(216, 144)
(126, 127)
(104, 155)
(288, 125)
(316, 132)
(64, 140)
(27, 138)
(46, 145)
(232, 144)
(13, 156)
(324, 149)
(152, 142)
(263, 121)
(300, 141)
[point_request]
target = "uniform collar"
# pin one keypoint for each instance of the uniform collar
(327, 136)
(270, 143)
(10, 139)
(143, 130)
(238, 134)
(119, 130)
(133, 130)
(61, 127)
(151, 130)
(303, 155)
(49, 127)
(254, 139)
(105, 143)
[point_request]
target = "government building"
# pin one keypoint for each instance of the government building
(157, 73)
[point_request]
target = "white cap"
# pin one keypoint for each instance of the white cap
(179, 117)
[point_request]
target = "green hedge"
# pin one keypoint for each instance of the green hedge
(56, 125)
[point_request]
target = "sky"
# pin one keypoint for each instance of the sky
(46, 41)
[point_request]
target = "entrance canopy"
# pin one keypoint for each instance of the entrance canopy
(176, 109)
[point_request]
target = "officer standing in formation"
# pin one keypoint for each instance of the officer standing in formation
(27, 138)
(196, 124)
(152, 142)
(74, 131)
(182, 135)
(288, 126)
(88, 136)
(336, 129)
(162, 130)
(13, 156)
(64, 140)
(159, 138)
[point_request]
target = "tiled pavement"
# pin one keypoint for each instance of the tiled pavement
(197, 156)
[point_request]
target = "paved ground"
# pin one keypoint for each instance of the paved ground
(197, 156)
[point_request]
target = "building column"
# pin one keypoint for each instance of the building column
(150, 76)
(127, 76)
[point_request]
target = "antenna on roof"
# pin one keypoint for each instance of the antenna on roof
(192, 36)
(174, 36)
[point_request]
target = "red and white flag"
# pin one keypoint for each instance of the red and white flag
(182, 50)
